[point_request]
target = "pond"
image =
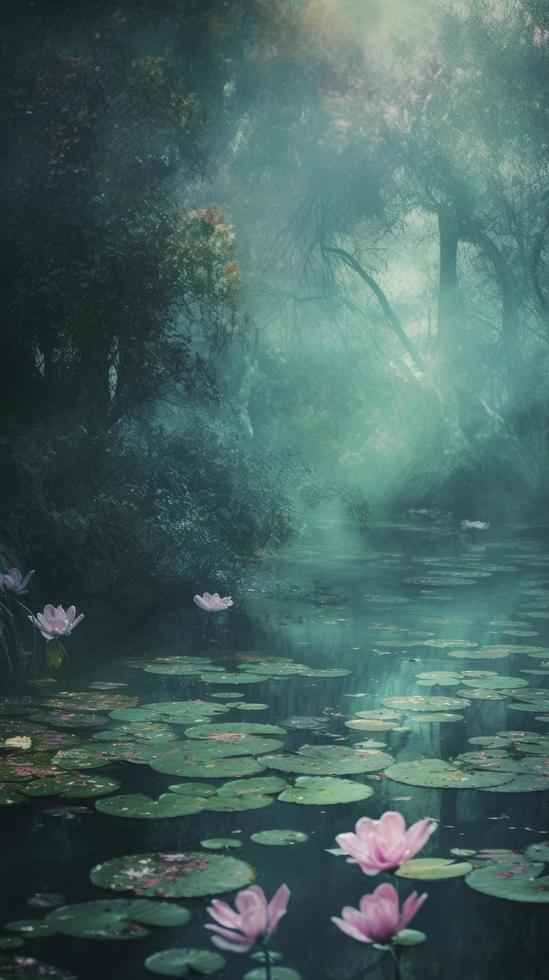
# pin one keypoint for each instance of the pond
(391, 651)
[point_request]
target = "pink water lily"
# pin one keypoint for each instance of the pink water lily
(254, 919)
(212, 603)
(385, 844)
(55, 621)
(14, 582)
(379, 917)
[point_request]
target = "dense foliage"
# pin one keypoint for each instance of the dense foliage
(257, 255)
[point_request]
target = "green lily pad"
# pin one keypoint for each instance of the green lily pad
(214, 747)
(279, 838)
(220, 843)
(497, 683)
(515, 881)
(150, 732)
(171, 712)
(182, 669)
(139, 807)
(306, 723)
(240, 678)
(193, 790)
(433, 718)
(485, 653)
(11, 942)
(370, 725)
(224, 767)
(325, 790)
(71, 786)
(237, 804)
(328, 760)
(424, 702)
(250, 706)
(237, 728)
(438, 678)
(434, 869)
(481, 694)
(185, 962)
(437, 774)
(117, 919)
(174, 874)
(265, 785)
(228, 695)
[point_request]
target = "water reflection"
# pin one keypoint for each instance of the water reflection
(373, 607)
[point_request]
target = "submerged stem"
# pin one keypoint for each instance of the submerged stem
(268, 971)
(394, 954)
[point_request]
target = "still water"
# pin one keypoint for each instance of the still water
(471, 611)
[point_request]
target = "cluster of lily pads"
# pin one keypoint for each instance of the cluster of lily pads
(52, 745)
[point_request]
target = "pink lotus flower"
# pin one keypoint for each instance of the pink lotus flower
(255, 918)
(54, 621)
(379, 917)
(14, 582)
(212, 603)
(385, 844)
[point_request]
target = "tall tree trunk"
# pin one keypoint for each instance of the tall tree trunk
(449, 303)
(510, 306)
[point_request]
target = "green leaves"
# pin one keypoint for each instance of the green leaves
(185, 962)
(118, 919)
(174, 874)
(325, 791)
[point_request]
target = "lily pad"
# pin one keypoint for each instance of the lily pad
(264, 785)
(174, 874)
(213, 768)
(118, 919)
(433, 869)
(328, 760)
(71, 786)
(139, 807)
(240, 678)
(497, 683)
(237, 728)
(325, 790)
(515, 881)
(171, 712)
(433, 718)
(279, 838)
(424, 702)
(185, 962)
(485, 653)
(220, 843)
(250, 706)
(306, 723)
(437, 774)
